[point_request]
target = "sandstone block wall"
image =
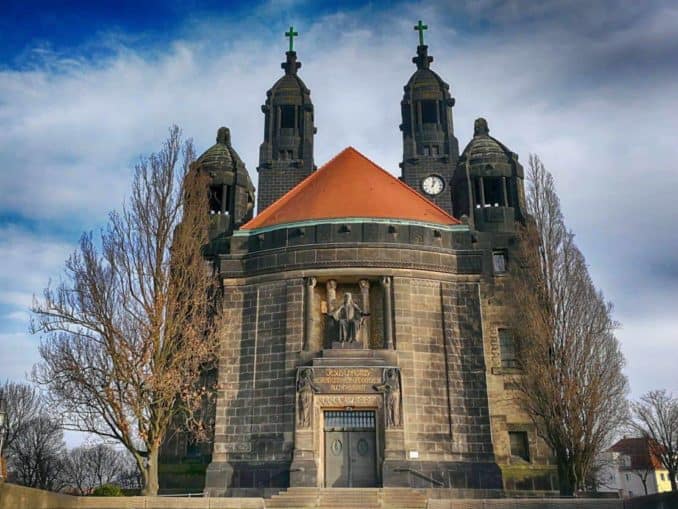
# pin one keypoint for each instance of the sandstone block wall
(256, 391)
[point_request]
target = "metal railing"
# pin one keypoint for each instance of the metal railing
(420, 474)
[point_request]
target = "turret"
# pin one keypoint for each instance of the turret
(488, 183)
(231, 193)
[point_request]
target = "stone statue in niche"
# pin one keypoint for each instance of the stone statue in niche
(391, 389)
(305, 390)
(349, 318)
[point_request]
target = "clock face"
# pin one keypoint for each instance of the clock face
(433, 185)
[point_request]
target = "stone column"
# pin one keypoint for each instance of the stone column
(504, 192)
(482, 191)
(331, 286)
(331, 290)
(388, 313)
(365, 297)
(309, 284)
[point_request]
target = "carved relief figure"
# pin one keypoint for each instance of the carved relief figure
(349, 317)
(305, 390)
(391, 389)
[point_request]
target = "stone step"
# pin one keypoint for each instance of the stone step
(348, 498)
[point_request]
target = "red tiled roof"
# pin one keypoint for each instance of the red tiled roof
(642, 458)
(350, 185)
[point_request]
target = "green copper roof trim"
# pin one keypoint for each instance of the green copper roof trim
(351, 220)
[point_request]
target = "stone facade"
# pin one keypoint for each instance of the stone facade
(437, 346)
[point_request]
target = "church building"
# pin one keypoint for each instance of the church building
(367, 339)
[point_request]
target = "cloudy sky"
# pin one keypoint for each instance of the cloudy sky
(592, 87)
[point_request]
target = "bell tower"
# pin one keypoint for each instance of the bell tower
(286, 155)
(231, 193)
(430, 149)
(489, 183)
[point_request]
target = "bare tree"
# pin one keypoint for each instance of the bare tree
(32, 441)
(643, 473)
(572, 385)
(129, 328)
(655, 417)
(77, 477)
(129, 476)
(22, 404)
(35, 457)
(89, 467)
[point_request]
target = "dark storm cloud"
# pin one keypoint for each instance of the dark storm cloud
(616, 41)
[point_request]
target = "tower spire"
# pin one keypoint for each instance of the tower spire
(286, 154)
(430, 149)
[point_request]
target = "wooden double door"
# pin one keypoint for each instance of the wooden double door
(350, 449)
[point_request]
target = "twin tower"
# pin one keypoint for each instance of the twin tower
(483, 185)
(430, 149)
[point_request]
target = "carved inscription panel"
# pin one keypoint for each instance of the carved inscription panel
(347, 380)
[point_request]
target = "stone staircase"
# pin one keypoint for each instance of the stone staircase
(348, 498)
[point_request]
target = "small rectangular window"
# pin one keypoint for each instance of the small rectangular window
(493, 191)
(499, 261)
(434, 150)
(216, 195)
(662, 476)
(429, 112)
(426, 150)
(287, 117)
(507, 347)
(520, 447)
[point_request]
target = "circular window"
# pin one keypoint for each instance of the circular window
(363, 447)
(336, 447)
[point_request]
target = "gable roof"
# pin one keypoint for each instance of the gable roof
(641, 453)
(350, 186)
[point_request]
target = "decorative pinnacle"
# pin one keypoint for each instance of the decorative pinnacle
(420, 27)
(291, 34)
(291, 65)
(480, 127)
(224, 136)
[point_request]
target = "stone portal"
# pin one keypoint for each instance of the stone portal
(348, 419)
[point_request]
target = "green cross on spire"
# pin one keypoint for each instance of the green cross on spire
(291, 34)
(420, 27)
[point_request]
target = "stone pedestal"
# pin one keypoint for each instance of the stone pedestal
(353, 345)
(394, 458)
(304, 468)
(218, 478)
